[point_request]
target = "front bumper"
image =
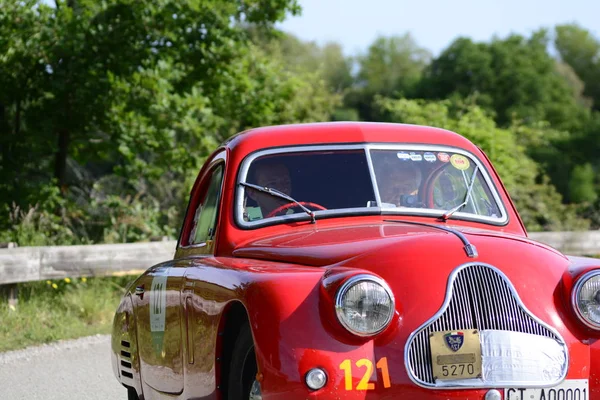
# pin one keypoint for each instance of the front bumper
(380, 373)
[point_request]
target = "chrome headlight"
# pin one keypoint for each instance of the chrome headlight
(364, 305)
(586, 299)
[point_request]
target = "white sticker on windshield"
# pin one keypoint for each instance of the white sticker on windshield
(416, 157)
(429, 157)
(403, 155)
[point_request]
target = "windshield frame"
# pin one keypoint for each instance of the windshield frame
(244, 167)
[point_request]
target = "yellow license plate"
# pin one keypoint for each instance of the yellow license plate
(455, 354)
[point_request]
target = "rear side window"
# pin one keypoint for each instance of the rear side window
(205, 217)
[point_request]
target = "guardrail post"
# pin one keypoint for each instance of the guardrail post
(10, 292)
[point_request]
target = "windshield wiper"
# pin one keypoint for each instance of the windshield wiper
(281, 195)
(448, 213)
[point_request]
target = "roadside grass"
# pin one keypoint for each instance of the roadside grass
(60, 309)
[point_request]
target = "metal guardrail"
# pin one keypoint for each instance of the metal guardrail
(576, 243)
(25, 264)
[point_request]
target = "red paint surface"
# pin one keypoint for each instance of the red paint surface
(286, 276)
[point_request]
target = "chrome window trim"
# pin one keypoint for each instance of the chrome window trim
(351, 282)
(444, 307)
(367, 147)
(575, 295)
(373, 177)
(220, 159)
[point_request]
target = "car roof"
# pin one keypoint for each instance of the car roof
(343, 132)
(241, 145)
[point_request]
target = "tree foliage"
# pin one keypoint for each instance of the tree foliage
(515, 78)
(579, 49)
(95, 91)
(108, 109)
(392, 65)
(308, 57)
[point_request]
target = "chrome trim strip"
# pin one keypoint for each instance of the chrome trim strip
(245, 165)
(351, 282)
(575, 297)
(373, 178)
(433, 320)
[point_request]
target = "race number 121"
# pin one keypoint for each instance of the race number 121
(366, 366)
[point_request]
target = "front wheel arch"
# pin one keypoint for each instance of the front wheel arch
(243, 367)
(234, 320)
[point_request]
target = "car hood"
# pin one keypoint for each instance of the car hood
(333, 245)
(416, 261)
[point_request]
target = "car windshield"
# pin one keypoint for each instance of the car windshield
(369, 179)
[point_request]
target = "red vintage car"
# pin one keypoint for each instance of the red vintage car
(358, 260)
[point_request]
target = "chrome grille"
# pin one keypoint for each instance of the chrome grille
(480, 298)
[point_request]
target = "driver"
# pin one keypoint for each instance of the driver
(275, 176)
(399, 184)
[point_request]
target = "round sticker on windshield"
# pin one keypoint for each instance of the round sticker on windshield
(460, 162)
(443, 157)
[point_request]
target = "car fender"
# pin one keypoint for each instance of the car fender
(292, 320)
(284, 305)
(281, 301)
(124, 354)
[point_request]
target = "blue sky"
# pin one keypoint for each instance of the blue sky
(433, 23)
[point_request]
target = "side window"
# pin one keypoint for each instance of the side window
(205, 217)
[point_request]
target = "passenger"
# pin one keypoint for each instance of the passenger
(399, 184)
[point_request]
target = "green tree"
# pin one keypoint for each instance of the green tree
(391, 66)
(308, 57)
(581, 50)
(155, 125)
(24, 142)
(141, 90)
(575, 83)
(464, 68)
(581, 185)
(515, 78)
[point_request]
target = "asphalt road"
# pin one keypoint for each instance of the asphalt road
(73, 369)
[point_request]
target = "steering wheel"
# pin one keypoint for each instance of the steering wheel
(292, 204)
(441, 186)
